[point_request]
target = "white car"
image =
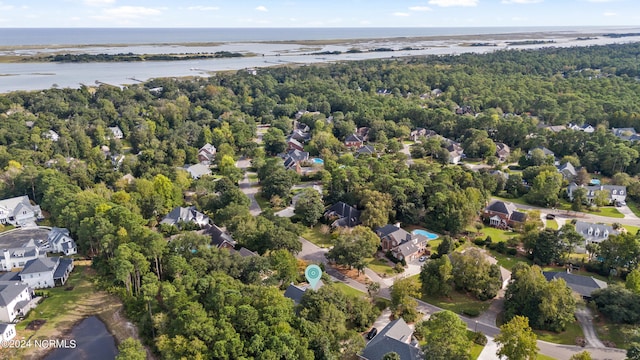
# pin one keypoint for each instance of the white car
(422, 258)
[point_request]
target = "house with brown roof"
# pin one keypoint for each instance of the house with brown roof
(401, 244)
(353, 141)
(503, 214)
(503, 151)
(207, 153)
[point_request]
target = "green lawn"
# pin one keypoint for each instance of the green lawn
(519, 200)
(631, 229)
(457, 302)
(497, 235)
(317, 237)
(508, 261)
(634, 207)
(349, 290)
(264, 203)
(567, 337)
(615, 333)
(253, 177)
(608, 211)
(544, 357)
(552, 224)
(476, 350)
(381, 266)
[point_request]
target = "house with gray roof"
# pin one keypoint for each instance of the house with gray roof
(624, 133)
(366, 150)
(294, 159)
(19, 256)
(180, 215)
(343, 215)
(220, 238)
(353, 140)
(60, 241)
(615, 193)
(594, 233)
(503, 214)
(582, 285)
(296, 292)
(7, 331)
(503, 151)
(396, 337)
(116, 132)
(401, 244)
(14, 301)
(51, 135)
(45, 272)
(294, 144)
(207, 153)
(18, 211)
(568, 171)
(198, 170)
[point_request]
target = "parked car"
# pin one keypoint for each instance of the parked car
(422, 258)
(372, 333)
(550, 216)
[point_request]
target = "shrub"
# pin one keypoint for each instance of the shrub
(488, 240)
(479, 241)
(398, 268)
(512, 252)
(471, 312)
(501, 248)
(479, 338)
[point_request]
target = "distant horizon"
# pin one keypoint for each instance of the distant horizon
(315, 13)
(326, 27)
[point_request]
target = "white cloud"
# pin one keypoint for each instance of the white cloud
(600, 1)
(420, 8)
(609, 13)
(203, 8)
(365, 22)
(98, 2)
(401, 14)
(262, 8)
(127, 12)
(6, 7)
(521, 1)
(448, 3)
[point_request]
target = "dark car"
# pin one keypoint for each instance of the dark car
(550, 216)
(372, 333)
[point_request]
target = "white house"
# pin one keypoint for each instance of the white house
(198, 170)
(51, 135)
(14, 301)
(185, 215)
(45, 272)
(615, 193)
(18, 211)
(18, 257)
(594, 233)
(117, 132)
(61, 242)
(7, 331)
(207, 153)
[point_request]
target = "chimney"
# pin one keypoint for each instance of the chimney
(397, 225)
(408, 237)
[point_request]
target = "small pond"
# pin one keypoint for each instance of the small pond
(93, 341)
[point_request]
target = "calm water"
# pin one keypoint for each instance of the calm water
(78, 36)
(93, 341)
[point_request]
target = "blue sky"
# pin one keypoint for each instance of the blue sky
(313, 13)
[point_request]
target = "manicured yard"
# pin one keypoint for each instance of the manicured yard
(497, 235)
(253, 177)
(544, 357)
(615, 333)
(457, 302)
(349, 290)
(633, 206)
(476, 350)
(608, 211)
(567, 337)
(381, 266)
(552, 224)
(317, 237)
(631, 229)
(264, 203)
(508, 261)
(519, 200)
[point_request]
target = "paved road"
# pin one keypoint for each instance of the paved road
(486, 324)
(248, 188)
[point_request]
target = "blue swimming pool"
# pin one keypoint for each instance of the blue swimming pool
(425, 233)
(318, 161)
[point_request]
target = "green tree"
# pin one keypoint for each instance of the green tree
(309, 207)
(445, 335)
(391, 356)
(274, 141)
(436, 276)
(601, 198)
(402, 303)
(545, 189)
(516, 340)
(131, 349)
(579, 199)
(633, 281)
(633, 352)
(353, 246)
(585, 355)
(377, 208)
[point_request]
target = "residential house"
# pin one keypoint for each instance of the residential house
(625, 133)
(220, 238)
(294, 159)
(396, 337)
(582, 285)
(244, 252)
(353, 141)
(18, 211)
(615, 193)
(19, 256)
(456, 153)
(417, 133)
(594, 233)
(503, 151)
(502, 214)
(300, 135)
(553, 128)
(198, 170)
(436, 92)
(51, 135)
(207, 153)
(60, 241)
(45, 272)
(343, 215)
(7, 331)
(296, 292)
(464, 110)
(568, 171)
(181, 215)
(116, 132)
(586, 128)
(14, 301)
(546, 151)
(293, 144)
(401, 244)
(363, 133)
(366, 150)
